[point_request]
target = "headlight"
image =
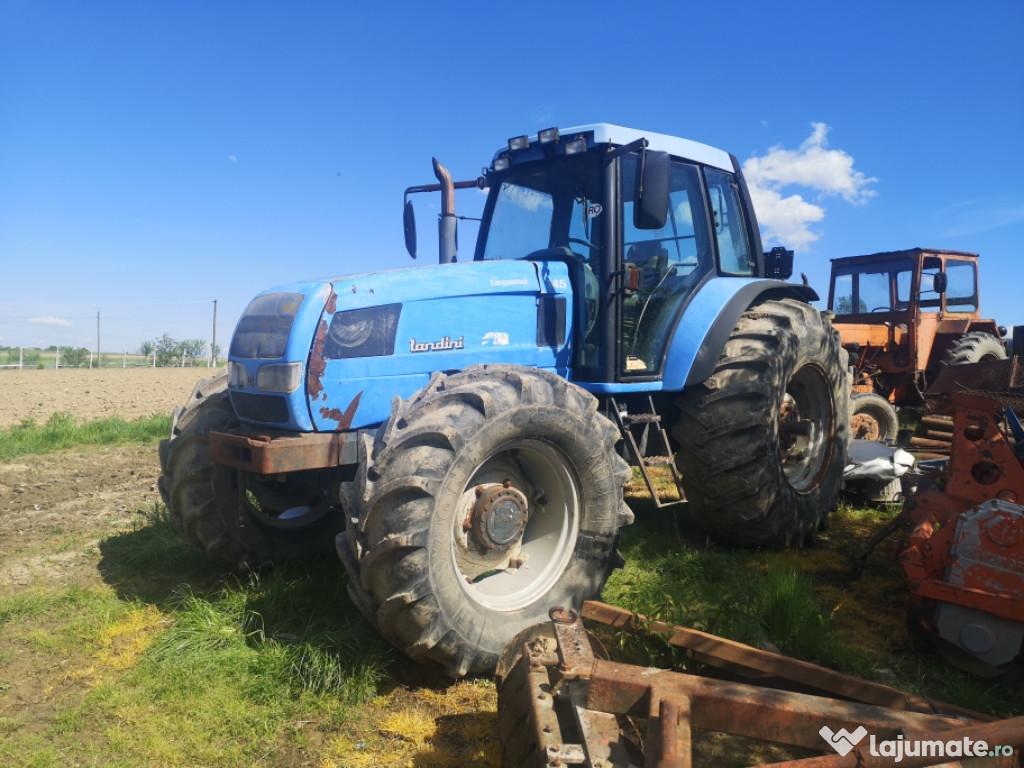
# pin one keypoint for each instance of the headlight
(264, 326)
(236, 375)
(368, 332)
(279, 377)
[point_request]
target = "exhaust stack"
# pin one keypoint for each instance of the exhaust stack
(447, 233)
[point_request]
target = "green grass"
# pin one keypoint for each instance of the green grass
(217, 670)
(170, 661)
(829, 604)
(62, 431)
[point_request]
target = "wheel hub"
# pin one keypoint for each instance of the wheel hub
(499, 517)
(865, 427)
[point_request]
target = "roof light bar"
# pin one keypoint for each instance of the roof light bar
(501, 163)
(519, 142)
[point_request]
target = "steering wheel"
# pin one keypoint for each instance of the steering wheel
(882, 309)
(576, 240)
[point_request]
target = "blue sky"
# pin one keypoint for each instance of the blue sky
(155, 156)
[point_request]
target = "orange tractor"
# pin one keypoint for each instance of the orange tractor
(903, 316)
(964, 555)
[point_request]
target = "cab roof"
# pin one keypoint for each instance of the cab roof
(617, 135)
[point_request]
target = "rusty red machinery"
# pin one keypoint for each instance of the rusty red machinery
(964, 555)
(903, 315)
(561, 702)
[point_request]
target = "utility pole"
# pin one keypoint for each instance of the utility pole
(99, 358)
(213, 346)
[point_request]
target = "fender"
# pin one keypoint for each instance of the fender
(709, 320)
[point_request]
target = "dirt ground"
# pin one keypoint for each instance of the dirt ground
(131, 393)
(80, 491)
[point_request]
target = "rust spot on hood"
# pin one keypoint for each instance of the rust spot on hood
(344, 419)
(317, 364)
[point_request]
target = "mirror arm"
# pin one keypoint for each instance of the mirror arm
(625, 149)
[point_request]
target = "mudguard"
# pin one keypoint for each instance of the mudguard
(709, 320)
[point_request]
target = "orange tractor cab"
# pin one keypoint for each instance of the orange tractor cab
(903, 315)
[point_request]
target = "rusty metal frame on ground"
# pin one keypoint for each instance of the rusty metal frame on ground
(569, 703)
(773, 668)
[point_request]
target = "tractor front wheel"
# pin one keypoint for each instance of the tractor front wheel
(763, 440)
(490, 497)
(235, 518)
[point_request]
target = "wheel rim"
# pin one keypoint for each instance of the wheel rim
(285, 506)
(866, 425)
(806, 428)
(515, 526)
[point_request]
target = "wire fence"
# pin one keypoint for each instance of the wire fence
(29, 358)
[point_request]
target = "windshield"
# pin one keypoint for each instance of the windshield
(877, 287)
(545, 205)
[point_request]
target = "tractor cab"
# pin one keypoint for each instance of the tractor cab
(902, 314)
(641, 221)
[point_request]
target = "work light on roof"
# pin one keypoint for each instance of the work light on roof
(519, 142)
(547, 136)
(501, 163)
(575, 146)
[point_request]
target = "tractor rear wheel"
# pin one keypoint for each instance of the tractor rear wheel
(763, 440)
(234, 518)
(974, 347)
(872, 417)
(488, 498)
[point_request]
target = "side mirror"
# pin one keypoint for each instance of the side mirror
(650, 199)
(409, 223)
(939, 282)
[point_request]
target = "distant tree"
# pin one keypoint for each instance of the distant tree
(74, 357)
(168, 351)
(146, 348)
(31, 357)
(844, 305)
(192, 349)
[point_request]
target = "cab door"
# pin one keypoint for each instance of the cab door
(661, 268)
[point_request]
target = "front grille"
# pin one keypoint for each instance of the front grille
(272, 409)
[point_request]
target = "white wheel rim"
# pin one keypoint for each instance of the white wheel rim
(511, 579)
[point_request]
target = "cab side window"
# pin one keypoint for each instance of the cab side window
(735, 257)
(961, 287)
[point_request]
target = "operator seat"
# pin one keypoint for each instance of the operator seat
(652, 259)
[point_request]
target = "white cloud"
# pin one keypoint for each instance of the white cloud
(824, 171)
(232, 158)
(785, 219)
(49, 321)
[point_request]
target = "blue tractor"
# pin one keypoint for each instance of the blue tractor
(459, 431)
